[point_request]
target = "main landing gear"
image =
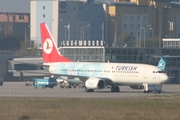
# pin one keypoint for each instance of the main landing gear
(115, 88)
(89, 90)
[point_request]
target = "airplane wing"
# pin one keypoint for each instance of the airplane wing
(71, 77)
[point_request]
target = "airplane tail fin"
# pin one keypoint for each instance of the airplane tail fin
(49, 48)
(162, 62)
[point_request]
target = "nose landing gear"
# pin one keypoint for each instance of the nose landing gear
(115, 89)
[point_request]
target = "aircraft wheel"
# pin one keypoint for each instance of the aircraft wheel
(89, 90)
(112, 89)
(35, 87)
(115, 89)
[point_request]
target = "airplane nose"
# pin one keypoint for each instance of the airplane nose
(164, 78)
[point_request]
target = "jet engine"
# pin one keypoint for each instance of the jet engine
(95, 83)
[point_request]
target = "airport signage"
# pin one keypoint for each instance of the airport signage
(82, 43)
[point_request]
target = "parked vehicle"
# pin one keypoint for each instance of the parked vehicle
(27, 83)
(44, 82)
(156, 88)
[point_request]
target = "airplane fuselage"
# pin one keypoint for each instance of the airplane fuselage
(118, 73)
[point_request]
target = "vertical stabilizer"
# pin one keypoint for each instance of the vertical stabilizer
(49, 48)
(162, 62)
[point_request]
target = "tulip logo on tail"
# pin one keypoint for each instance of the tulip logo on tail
(48, 46)
(162, 64)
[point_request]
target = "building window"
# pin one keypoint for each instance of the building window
(138, 26)
(125, 26)
(21, 17)
(43, 7)
(44, 16)
(178, 18)
(152, 18)
(125, 17)
(138, 18)
(131, 25)
(14, 17)
(145, 18)
(131, 17)
(125, 9)
(179, 27)
(139, 10)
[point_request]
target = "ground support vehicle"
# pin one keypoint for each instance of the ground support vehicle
(44, 82)
(156, 88)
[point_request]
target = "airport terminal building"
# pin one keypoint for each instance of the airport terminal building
(96, 54)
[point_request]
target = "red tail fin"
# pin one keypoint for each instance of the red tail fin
(49, 48)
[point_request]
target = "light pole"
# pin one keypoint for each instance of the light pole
(65, 29)
(137, 37)
(50, 22)
(25, 35)
(144, 30)
(115, 34)
(151, 29)
(140, 33)
(159, 27)
(83, 30)
(69, 31)
(171, 28)
(152, 32)
(102, 27)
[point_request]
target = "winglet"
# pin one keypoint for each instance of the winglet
(49, 48)
(162, 62)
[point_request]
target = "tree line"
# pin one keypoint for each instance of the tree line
(128, 40)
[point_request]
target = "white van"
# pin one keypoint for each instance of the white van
(156, 88)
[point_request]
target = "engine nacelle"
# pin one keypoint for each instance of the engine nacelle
(136, 87)
(95, 83)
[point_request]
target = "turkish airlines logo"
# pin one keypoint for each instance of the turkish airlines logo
(162, 64)
(48, 46)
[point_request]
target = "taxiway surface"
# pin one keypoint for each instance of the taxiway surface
(18, 89)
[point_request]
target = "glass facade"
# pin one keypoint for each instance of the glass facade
(142, 55)
(84, 54)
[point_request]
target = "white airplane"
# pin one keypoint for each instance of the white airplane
(97, 75)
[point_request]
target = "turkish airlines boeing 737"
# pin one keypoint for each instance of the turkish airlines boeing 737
(98, 75)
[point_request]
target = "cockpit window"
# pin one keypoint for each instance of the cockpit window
(158, 72)
(161, 72)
